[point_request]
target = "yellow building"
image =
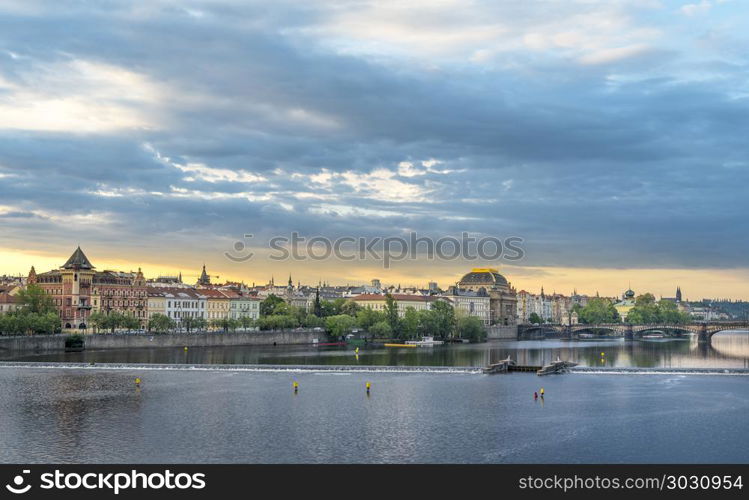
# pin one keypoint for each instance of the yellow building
(156, 302)
(403, 301)
(218, 304)
(626, 304)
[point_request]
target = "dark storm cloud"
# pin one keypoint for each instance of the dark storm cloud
(262, 124)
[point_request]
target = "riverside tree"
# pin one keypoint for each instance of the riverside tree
(647, 311)
(339, 325)
(160, 323)
(598, 311)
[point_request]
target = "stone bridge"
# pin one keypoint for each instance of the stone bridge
(704, 330)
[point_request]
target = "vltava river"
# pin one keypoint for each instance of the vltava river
(727, 350)
(95, 415)
(186, 411)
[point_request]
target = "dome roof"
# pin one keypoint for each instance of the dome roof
(483, 277)
(629, 294)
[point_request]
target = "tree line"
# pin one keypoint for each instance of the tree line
(340, 317)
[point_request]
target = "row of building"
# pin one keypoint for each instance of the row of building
(78, 290)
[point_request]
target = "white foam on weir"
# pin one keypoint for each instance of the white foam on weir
(660, 371)
(328, 369)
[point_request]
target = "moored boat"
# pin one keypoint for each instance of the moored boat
(425, 342)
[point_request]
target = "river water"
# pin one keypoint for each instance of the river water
(727, 350)
(179, 414)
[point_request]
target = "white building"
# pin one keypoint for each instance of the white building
(184, 303)
(471, 303)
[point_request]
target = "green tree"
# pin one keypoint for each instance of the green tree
(598, 311)
(535, 319)
(34, 299)
(381, 330)
(312, 321)
(277, 322)
(339, 325)
(130, 322)
(188, 323)
(368, 317)
(98, 320)
(471, 328)
(351, 308)
(246, 322)
(160, 323)
(443, 319)
(410, 324)
(200, 323)
(269, 306)
(391, 314)
(645, 311)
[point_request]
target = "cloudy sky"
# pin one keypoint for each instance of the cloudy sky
(610, 135)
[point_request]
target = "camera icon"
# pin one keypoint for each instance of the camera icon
(239, 247)
(17, 486)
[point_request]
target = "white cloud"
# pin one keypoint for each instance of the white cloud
(692, 9)
(203, 172)
(79, 96)
(613, 55)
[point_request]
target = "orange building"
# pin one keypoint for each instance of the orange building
(78, 290)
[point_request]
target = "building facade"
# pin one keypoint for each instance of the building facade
(503, 297)
(377, 302)
(471, 303)
(78, 290)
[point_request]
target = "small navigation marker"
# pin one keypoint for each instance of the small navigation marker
(296, 386)
(137, 381)
(369, 386)
(185, 348)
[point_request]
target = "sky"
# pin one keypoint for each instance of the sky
(609, 135)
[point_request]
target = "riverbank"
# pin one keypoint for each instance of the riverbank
(52, 343)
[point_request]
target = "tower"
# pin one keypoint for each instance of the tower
(77, 276)
(31, 280)
(678, 294)
(204, 278)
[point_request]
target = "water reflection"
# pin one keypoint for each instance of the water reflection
(727, 350)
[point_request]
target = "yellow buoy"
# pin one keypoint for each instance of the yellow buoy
(296, 386)
(137, 381)
(356, 351)
(185, 348)
(602, 354)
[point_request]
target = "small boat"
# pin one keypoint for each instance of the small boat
(425, 342)
(655, 335)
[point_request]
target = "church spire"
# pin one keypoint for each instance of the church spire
(204, 278)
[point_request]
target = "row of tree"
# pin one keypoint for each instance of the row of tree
(36, 313)
(646, 311)
(340, 317)
(161, 324)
